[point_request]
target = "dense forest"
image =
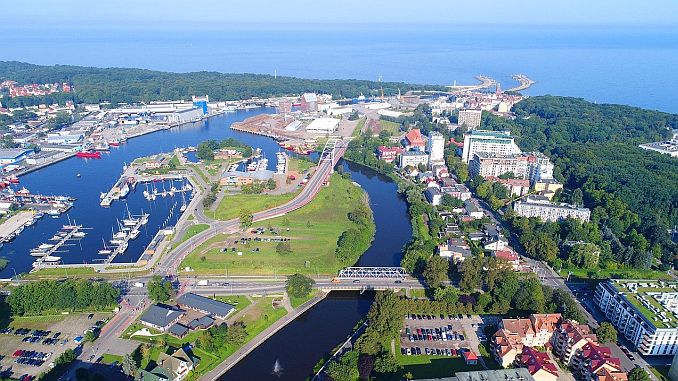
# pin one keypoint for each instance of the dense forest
(631, 192)
(94, 85)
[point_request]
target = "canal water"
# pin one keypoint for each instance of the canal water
(298, 346)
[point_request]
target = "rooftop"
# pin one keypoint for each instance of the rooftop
(161, 316)
(207, 305)
(657, 301)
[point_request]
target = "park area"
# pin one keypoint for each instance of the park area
(311, 233)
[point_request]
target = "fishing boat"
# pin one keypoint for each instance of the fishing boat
(114, 143)
(89, 154)
(101, 146)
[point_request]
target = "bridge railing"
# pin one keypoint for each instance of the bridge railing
(372, 273)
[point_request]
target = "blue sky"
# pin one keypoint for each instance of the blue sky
(171, 13)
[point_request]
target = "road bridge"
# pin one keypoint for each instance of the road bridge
(372, 273)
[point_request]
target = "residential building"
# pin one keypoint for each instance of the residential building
(13, 155)
(541, 168)
(388, 154)
(414, 140)
(539, 364)
(433, 195)
(542, 208)
(645, 312)
(534, 166)
(570, 337)
(470, 357)
(494, 142)
(470, 118)
(435, 146)
(174, 367)
(548, 187)
(592, 360)
(205, 305)
(323, 126)
(515, 334)
(309, 102)
(440, 171)
(413, 159)
(459, 191)
(161, 317)
(509, 256)
(472, 210)
(519, 374)
(455, 249)
(517, 187)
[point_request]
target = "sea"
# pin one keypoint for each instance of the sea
(628, 65)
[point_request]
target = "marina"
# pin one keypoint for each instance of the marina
(46, 251)
(129, 229)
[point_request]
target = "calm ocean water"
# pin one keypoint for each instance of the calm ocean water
(618, 65)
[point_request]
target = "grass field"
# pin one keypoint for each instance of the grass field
(392, 127)
(313, 231)
(298, 165)
(616, 274)
(36, 322)
(108, 359)
(428, 367)
(190, 232)
(237, 301)
(358, 127)
(231, 205)
(296, 302)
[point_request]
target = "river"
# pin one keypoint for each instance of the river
(299, 345)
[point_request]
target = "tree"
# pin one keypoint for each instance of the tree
(246, 218)
(449, 295)
(90, 336)
(530, 296)
(638, 374)
(435, 272)
(66, 358)
(450, 202)
(345, 368)
(386, 363)
(129, 366)
(270, 184)
(606, 333)
(471, 276)
(365, 366)
(577, 198)
(299, 285)
(283, 248)
(160, 290)
(236, 333)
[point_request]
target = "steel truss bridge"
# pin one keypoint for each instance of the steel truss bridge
(372, 273)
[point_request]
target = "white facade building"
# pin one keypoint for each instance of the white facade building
(413, 158)
(435, 146)
(654, 331)
(496, 142)
(542, 208)
(323, 126)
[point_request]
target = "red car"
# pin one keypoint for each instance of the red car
(17, 353)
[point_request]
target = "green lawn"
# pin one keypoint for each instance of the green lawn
(298, 165)
(200, 172)
(63, 272)
(190, 232)
(661, 372)
(358, 127)
(296, 302)
(36, 322)
(616, 274)
(108, 359)
(313, 231)
(237, 301)
(428, 367)
(392, 127)
(230, 205)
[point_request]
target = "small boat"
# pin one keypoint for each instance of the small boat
(124, 191)
(50, 259)
(38, 253)
(116, 241)
(101, 146)
(122, 248)
(23, 192)
(102, 196)
(89, 154)
(13, 179)
(77, 174)
(45, 246)
(53, 212)
(55, 238)
(114, 143)
(134, 234)
(79, 234)
(105, 250)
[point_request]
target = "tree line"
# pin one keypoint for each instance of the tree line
(126, 85)
(48, 296)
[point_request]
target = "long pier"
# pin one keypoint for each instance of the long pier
(485, 82)
(115, 192)
(524, 81)
(72, 232)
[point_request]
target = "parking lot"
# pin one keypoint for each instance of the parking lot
(439, 335)
(30, 346)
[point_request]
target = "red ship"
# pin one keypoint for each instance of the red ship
(89, 154)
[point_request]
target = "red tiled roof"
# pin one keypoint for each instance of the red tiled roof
(534, 361)
(414, 138)
(507, 255)
(469, 355)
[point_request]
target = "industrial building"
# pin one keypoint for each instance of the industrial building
(323, 126)
(643, 311)
(185, 116)
(12, 155)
